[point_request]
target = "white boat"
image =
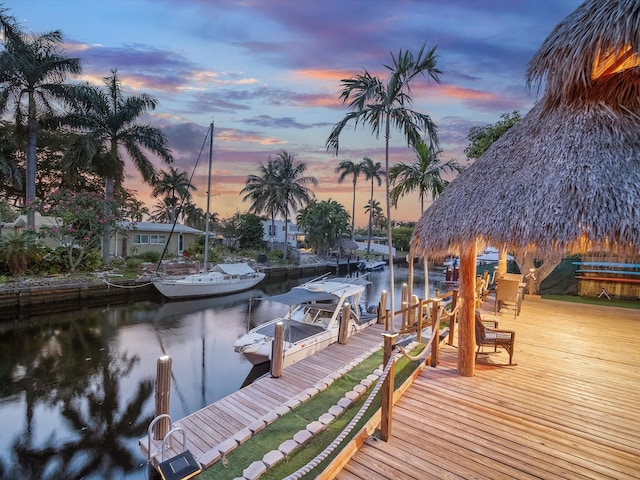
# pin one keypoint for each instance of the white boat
(372, 265)
(312, 321)
(223, 279)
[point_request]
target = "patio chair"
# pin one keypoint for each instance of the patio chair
(487, 333)
(508, 294)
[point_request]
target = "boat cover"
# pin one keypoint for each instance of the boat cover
(297, 296)
(235, 268)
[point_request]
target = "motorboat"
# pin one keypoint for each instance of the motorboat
(311, 322)
(371, 265)
(222, 279)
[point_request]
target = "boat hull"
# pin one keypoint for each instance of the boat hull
(182, 289)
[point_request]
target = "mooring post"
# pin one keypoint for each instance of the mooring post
(387, 387)
(343, 329)
(382, 307)
(277, 350)
(163, 391)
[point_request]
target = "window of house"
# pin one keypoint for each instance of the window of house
(272, 230)
(157, 239)
(140, 238)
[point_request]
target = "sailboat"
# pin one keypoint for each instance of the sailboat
(223, 278)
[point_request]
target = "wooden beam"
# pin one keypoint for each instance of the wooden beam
(466, 332)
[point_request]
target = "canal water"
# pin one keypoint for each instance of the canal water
(77, 388)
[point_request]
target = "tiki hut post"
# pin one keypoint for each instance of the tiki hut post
(502, 261)
(466, 331)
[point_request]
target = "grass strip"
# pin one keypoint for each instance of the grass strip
(285, 427)
(614, 302)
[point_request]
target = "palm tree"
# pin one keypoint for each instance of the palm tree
(424, 175)
(381, 105)
(346, 168)
(260, 190)
(374, 210)
(372, 171)
(173, 184)
(32, 71)
(109, 120)
(291, 188)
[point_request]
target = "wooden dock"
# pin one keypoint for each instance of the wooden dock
(220, 427)
(568, 409)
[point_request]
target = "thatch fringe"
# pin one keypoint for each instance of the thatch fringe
(567, 179)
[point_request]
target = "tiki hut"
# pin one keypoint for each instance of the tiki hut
(567, 176)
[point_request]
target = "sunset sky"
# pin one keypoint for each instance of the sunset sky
(268, 72)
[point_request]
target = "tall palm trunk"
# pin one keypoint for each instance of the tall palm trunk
(353, 209)
(387, 135)
(370, 218)
(109, 185)
(30, 180)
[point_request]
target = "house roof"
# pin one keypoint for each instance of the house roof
(160, 227)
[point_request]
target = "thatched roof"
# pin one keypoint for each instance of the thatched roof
(567, 176)
(599, 38)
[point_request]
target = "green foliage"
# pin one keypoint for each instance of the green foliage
(275, 255)
(481, 138)
(324, 224)
(150, 256)
(402, 237)
(18, 251)
(7, 214)
(250, 231)
(79, 221)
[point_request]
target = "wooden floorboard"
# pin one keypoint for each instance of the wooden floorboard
(568, 409)
(212, 425)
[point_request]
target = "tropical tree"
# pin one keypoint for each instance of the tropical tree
(280, 188)
(423, 175)
(372, 171)
(481, 138)
(291, 188)
(346, 168)
(382, 105)
(324, 224)
(374, 210)
(110, 122)
(260, 190)
(32, 71)
(195, 217)
(175, 186)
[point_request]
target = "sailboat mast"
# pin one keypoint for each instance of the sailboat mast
(207, 215)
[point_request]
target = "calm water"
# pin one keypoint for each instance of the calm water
(77, 389)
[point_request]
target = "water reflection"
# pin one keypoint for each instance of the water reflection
(76, 388)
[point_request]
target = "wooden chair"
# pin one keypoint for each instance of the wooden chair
(508, 294)
(487, 333)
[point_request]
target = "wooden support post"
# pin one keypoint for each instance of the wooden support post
(404, 307)
(435, 324)
(382, 308)
(411, 275)
(163, 392)
(415, 311)
(387, 387)
(466, 331)
(452, 319)
(532, 287)
(277, 351)
(478, 291)
(502, 261)
(343, 328)
(387, 320)
(485, 291)
(420, 325)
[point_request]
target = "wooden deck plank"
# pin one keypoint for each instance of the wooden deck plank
(568, 409)
(213, 424)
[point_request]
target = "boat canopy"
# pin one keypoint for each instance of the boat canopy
(297, 296)
(235, 268)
